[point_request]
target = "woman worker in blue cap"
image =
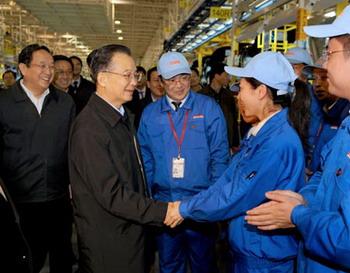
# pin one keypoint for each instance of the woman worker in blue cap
(271, 157)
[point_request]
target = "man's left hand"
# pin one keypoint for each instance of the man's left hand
(276, 213)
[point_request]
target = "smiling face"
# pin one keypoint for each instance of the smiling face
(38, 75)
(178, 86)
(63, 75)
(117, 83)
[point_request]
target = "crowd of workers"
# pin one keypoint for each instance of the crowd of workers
(152, 161)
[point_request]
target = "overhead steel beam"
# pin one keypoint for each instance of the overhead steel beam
(197, 17)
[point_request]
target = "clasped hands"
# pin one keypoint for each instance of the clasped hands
(173, 217)
(274, 214)
(277, 212)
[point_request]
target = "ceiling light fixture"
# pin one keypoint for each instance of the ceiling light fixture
(330, 14)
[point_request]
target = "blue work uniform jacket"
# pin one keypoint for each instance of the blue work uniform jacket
(325, 133)
(317, 115)
(273, 159)
(328, 124)
(324, 222)
(204, 148)
(315, 128)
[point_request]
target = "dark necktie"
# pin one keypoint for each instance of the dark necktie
(176, 104)
(75, 87)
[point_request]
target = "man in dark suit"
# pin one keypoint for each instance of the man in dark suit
(63, 72)
(35, 119)
(81, 88)
(141, 87)
(154, 86)
(106, 172)
(154, 91)
(141, 92)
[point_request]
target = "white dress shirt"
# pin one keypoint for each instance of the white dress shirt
(37, 101)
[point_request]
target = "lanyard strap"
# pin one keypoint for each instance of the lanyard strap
(172, 126)
(320, 128)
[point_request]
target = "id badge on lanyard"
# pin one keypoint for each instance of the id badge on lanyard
(178, 167)
(178, 163)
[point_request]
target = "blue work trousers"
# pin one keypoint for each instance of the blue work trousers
(191, 242)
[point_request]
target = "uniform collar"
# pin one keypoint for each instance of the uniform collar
(274, 122)
(255, 129)
(187, 104)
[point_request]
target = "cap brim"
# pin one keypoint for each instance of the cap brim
(237, 71)
(308, 70)
(324, 31)
(294, 61)
(312, 67)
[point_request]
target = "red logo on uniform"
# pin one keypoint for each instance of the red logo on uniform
(174, 62)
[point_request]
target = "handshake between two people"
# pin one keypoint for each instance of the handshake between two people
(173, 217)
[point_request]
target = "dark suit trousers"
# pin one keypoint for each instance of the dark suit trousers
(47, 227)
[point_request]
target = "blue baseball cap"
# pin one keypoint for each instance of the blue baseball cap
(309, 70)
(298, 55)
(171, 64)
(270, 68)
(340, 26)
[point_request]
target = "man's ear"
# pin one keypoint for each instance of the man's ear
(262, 91)
(101, 79)
(148, 84)
(23, 69)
